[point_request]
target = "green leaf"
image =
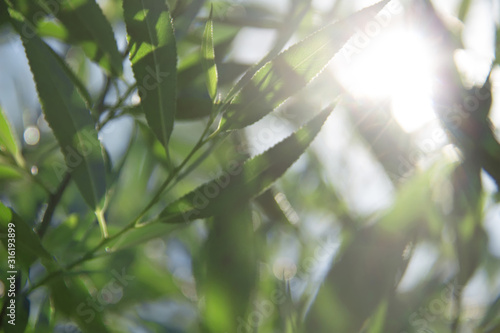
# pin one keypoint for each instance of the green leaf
(70, 120)
(83, 23)
(230, 259)
(208, 57)
(154, 61)
(71, 298)
(46, 28)
(89, 28)
(28, 246)
(8, 172)
(243, 182)
(8, 141)
(292, 70)
(76, 81)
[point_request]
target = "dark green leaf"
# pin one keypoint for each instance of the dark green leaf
(244, 182)
(76, 81)
(292, 70)
(208, 58)
(70, 120)
(154, 61)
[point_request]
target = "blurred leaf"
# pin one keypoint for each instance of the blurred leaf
(464, 9)
(88, 27)
(46, 28)
(154, 61)
(52, 29)
(8, 140)
(292, 70)
(351, 293)
(69, 119)
(376, 323)
(44, 321)
(491, 314)
(28, 246)
(406, 213)
(84, 25)
(59, 237)
(4, 16)
(189, 108)
(7, 173)
(208, 57)
(184, 14)
(230, 260)
(71, 298)
(244, 182)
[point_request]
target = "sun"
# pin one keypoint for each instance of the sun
(396, 65)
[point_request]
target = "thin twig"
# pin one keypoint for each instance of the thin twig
(52, 204)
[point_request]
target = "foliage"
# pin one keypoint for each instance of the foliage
(187, 224)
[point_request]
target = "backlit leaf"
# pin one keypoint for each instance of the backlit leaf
(243, 182)
(208, 58)
(292, 70)
(154, 59)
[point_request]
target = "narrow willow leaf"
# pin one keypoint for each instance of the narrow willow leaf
(8, 141)
(154, 62)
(292, 70)
(208, 57)
(88, 27)
(28, 246)
(70, 120)
(243, 182)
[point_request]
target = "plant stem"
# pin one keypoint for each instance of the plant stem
(52, 204)
(134, 223)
